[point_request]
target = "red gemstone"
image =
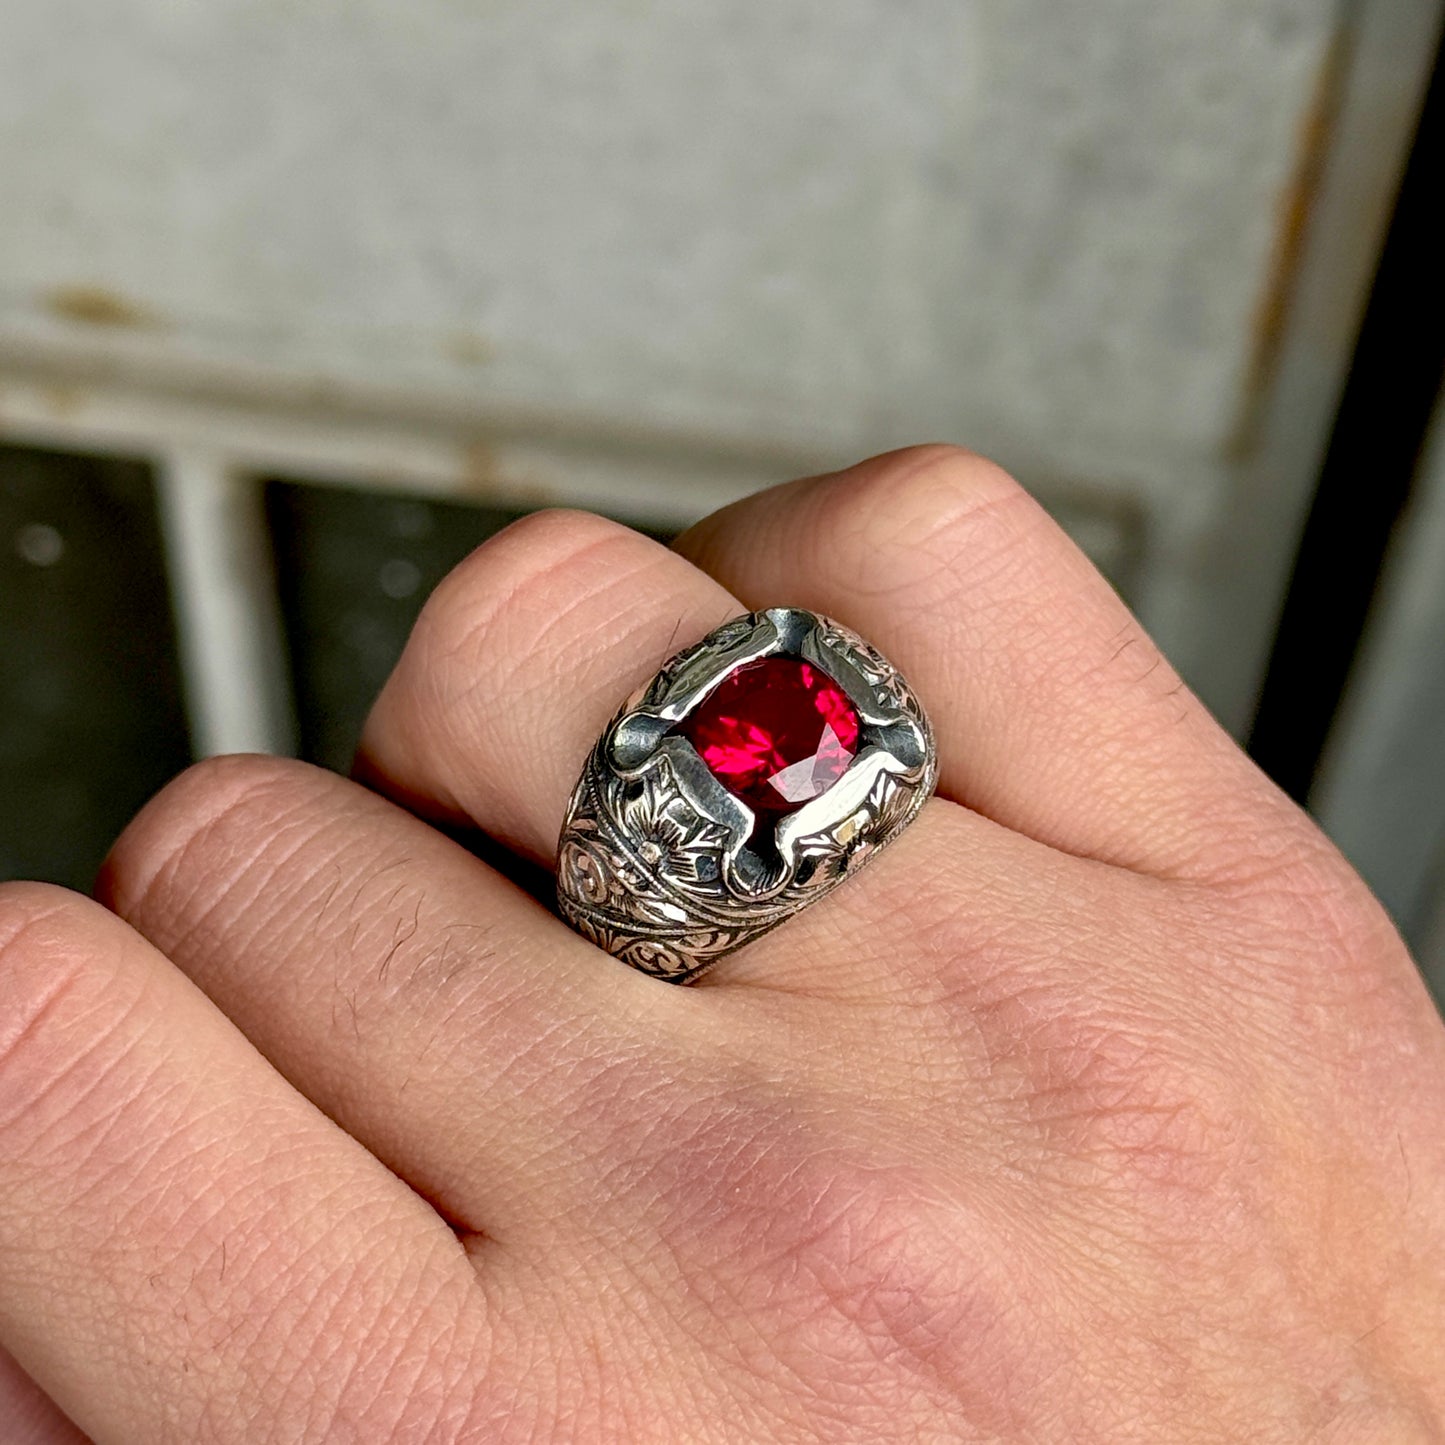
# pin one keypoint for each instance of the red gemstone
(776, 733)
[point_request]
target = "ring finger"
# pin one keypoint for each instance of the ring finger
(518, 662)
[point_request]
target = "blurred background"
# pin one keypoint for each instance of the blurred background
(301, 301)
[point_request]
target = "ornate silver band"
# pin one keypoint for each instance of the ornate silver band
(661, 865)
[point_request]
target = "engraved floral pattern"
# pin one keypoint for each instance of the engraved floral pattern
(641, 868)
(887, 681)
(669, 836)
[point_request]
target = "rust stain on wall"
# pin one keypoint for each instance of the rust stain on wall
(484, 477)
(62, 400)
(468, 348)
(1293, 208)
(97, 306)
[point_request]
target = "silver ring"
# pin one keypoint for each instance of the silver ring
(755, 772)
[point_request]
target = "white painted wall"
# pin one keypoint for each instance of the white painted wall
(668, 252)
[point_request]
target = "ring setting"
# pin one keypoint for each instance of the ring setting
(752, 774)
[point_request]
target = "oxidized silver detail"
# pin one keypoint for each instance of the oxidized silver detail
(653, 865)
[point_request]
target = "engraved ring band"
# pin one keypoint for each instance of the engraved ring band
(752, 774)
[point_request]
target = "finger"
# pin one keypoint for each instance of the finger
(442, 1016)
(183, 1238)
(518, 661)
(30, 1416)
(960, 930)
(1055, 714)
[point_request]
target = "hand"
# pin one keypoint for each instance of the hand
(1104, 1105)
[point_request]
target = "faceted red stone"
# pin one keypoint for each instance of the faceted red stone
(776, 733)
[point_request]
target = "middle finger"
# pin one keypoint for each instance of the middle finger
(425, 1003)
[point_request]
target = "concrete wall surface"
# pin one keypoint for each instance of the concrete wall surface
(1121, 245)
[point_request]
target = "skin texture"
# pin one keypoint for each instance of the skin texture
(1104, 1105)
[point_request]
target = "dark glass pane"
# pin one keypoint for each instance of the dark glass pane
(91, 718)
(354, 569)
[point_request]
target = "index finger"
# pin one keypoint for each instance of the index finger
(185, 1241)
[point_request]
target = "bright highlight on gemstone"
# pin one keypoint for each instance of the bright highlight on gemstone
(775, 733)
